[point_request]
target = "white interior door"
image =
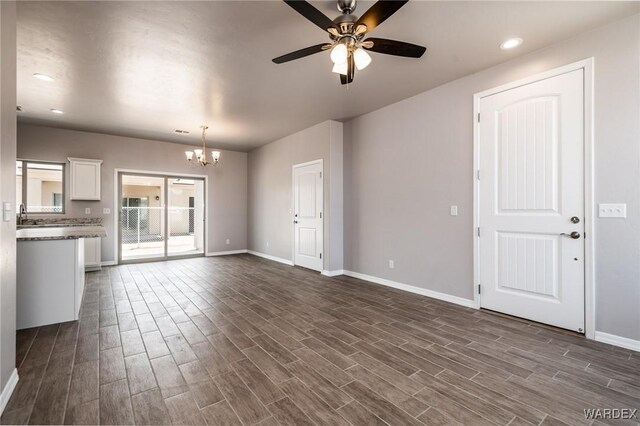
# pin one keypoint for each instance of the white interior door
(531, 200)
(308, 227)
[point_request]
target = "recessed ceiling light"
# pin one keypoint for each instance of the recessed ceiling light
(511, 43)
(56, 111)
(43, 77)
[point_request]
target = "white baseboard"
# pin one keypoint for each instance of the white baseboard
(413, 289)
(226, 253)
(109, 263)
(333, 273)
(612, 339)
(268, 256)
(8, 389)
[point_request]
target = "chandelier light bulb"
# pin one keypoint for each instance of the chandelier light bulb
(361, 58)
(339, 54)
(189, 155)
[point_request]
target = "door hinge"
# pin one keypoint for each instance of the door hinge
(320, 215)
(320, 255)
(478, 231)
(320, 175)
(478, 174)
(479, 288)
(478, 117)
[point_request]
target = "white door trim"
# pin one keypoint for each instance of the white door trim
(589, 291)
(116, 205)
(293, 198)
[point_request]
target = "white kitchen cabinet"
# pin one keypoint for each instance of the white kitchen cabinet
(50, 281)
(92, 254)
(85, 179)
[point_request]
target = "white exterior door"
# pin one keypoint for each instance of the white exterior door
(531, 199)
(307, 203)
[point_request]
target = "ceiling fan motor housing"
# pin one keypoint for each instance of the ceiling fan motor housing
(345, 23)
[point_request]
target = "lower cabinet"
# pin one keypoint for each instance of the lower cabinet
(50, 281)
(92, 254)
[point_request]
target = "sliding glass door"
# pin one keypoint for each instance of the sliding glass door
(186, 216)
(160, 217)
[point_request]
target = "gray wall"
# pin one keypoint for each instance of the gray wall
(227, 191)
(406, 163)
(270, 187)
(7, 190)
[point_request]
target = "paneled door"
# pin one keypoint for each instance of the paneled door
(531, 201)
(307, 220)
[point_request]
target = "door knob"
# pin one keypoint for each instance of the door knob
(575, 219)
(575, 235)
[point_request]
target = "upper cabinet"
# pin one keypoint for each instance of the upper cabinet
(85, 179)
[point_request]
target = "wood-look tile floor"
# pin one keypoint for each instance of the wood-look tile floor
(242, 340)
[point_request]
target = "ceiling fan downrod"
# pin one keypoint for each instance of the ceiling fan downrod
(347, 7)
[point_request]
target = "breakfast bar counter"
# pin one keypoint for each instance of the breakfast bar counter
(50, 273)
(40, 233)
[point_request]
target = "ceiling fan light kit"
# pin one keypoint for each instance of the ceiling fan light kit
(361, 58)
(339, 54)
(340, 68)
(347, 33)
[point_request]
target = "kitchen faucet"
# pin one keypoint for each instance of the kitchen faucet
(23, 211)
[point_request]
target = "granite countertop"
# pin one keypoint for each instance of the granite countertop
(60, 233)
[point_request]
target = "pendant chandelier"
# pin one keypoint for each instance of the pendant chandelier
(201, 154)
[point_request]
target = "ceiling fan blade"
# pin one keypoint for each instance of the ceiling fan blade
(348, 78)
(311, 13)
(300, 53)
(379, 12)
(396, 48)
(351, 69)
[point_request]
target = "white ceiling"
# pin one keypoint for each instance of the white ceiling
(143, 69)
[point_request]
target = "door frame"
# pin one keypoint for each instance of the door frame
(293, 207)
(116, 211)
(589, 207)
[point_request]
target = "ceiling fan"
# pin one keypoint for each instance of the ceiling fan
(347, 32)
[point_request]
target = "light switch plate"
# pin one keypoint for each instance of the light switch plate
(391, 264)
(612, 210)
(6, 211)
(87, 210)
(454, 210)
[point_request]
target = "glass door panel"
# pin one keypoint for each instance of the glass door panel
(142, 217)
(185, 210)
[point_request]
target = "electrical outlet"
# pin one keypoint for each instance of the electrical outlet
(391, 264)
(454, 210)
(228, 241)
(106, 210)
(612, 210)
(87, 210)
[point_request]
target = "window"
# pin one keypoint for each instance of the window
(41, 184)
